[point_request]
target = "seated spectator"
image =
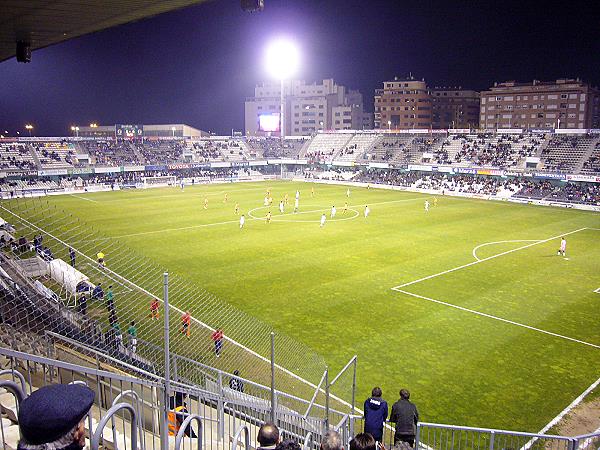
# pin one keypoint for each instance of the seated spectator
(52, 418)
(268, 436)
(332, 441)
(364, 441)
(288, 444)
(235, 383)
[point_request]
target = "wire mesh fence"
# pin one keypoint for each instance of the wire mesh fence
(98, 292)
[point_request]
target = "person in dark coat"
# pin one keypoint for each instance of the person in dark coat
(405, 416)
(376, 411)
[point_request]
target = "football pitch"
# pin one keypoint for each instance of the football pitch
(466, 305)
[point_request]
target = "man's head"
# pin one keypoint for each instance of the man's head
(288, 444)
(363, 441)
(376, 392)
(332, 441)
(404, 394)
(53, 416)
(268, 435)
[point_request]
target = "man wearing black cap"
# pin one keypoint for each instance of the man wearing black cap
(52, 418)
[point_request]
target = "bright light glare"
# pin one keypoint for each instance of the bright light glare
(282, 59)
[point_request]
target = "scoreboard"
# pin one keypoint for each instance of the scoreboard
(129, 131)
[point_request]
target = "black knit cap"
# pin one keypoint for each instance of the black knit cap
(52, 411)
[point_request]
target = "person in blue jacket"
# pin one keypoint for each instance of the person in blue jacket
(376, 411)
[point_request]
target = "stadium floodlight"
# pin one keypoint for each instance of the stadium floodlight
(93, 125)
(173, 130)
(75, 129)
(282, 59)
(29, 127)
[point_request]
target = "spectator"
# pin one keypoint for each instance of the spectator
(268, 436)
(288, 444)
(405, 416)
(53, 417)
(332, 441)
(98, 292)
(376, 411)
(235, 383)
(83, 304)
(364, 441)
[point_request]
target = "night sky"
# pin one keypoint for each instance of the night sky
(197, 65)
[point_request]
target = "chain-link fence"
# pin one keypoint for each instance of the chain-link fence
(111, 297)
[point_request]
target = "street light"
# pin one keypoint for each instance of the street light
(173, 130)
(29, 127)
(389, 125)
(282, 60)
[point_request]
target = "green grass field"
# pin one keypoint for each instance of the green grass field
(331, 287)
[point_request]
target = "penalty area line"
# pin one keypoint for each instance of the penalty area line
(454, 269)
(501, 319)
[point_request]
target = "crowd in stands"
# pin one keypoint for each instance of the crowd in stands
(161, 152)
(16, 156)
(272, 147)
(593, 162)
(109, 152)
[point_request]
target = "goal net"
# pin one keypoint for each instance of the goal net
(166, 180)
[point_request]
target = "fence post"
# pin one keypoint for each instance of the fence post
(326, 399)
(492, 436)
(220, 408)
(354, 384)
(272, 377)
(167, 356)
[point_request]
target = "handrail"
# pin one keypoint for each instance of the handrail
(308, 439)
(17, 374)
(139, 405)
(14, 388)
(95, 441)
(234, 444)
(186, 423)
(491, 430)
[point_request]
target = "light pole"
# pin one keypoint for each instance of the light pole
(282, 60)
(389, 126)
(75, 130)
(173, 130)
(29, 127)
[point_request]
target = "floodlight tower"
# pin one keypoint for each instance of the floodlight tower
(282, 60)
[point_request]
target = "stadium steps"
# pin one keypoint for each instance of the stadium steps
(586, 155)
(34, 156)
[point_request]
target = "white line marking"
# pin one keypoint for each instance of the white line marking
(497, 318)
(499, 242)
(597, 291)
(191, 227)
(454, 269)
(563, 413)
(83, 198)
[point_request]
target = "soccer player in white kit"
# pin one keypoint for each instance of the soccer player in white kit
(367, 211)
(563, 246)
(297, 195)
(348, 192)
(242, 221)
(426, 205)
(281, 206)
(323, 218)
(296, 203)
(333, 211)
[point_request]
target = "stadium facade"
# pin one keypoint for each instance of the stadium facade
(308, 108)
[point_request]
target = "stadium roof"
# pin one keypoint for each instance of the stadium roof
(47, 22)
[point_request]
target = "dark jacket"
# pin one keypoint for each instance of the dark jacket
(376, 411)
(405, 416)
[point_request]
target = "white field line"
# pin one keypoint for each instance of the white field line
(501, 319)
(563, 413)
(180, 311)
(83, 198)
(454, 269)
(101, 271)
(499, 242)
(597, 291)
(202, 225)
